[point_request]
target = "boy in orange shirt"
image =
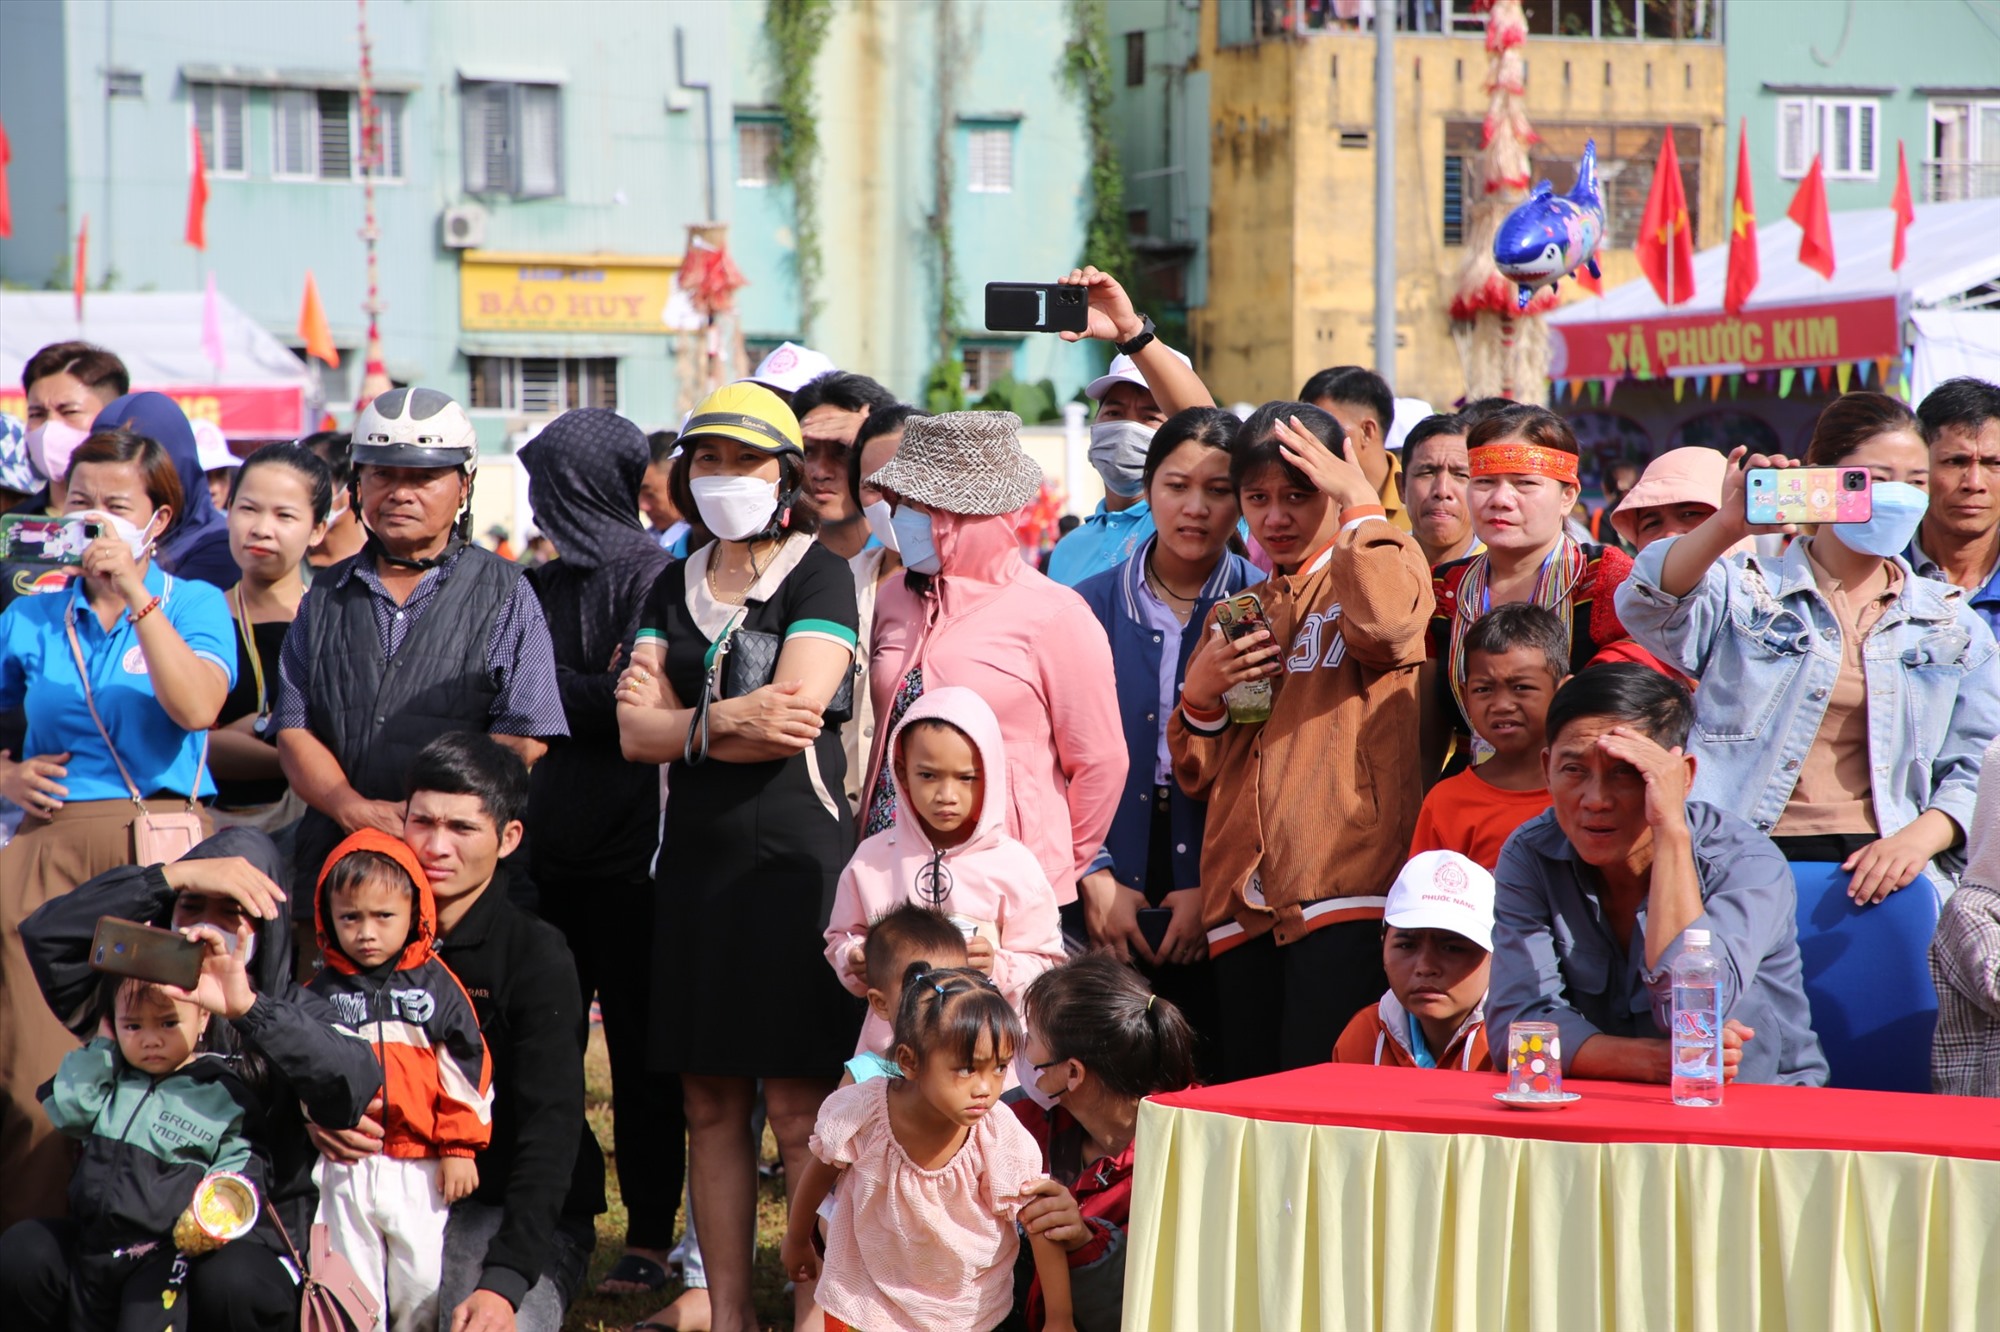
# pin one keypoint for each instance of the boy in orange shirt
(1437, 946)
(1516, 657)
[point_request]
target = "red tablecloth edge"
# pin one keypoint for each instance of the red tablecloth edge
(1411, 1100)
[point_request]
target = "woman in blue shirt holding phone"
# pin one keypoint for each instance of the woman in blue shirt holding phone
(156, 662)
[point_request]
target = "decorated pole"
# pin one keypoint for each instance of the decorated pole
(374, 376)
(1503, 346)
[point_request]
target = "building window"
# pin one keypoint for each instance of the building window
(757, 143)
(986, 364)
(1964, 158)
(1844, 131)
(316, 134)
(544, 385)
(513, 139)
(391, 110)
(1454, 199)
(218, 119)
(1135, 59)
(992, 151)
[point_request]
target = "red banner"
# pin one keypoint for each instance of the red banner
(1792, 335)
(271, 412)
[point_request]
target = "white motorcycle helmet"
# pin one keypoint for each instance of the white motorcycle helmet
(415, 427)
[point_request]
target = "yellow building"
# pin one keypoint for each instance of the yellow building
(1291, 236)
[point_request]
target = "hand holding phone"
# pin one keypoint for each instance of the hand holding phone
(1773, 496)
(51, 542)
(1036, 307)
(127, 948)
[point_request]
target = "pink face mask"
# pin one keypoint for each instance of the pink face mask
(49, 448)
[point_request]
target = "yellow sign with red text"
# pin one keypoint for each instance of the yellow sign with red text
(564, 293)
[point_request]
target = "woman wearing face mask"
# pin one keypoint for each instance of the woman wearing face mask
(158, 657)
(276, 508)
(1097, 1045)
(1152, 607)
(874, 444)
(197, 544)
(971, 612)
(1844, 701)
(743, 658)
(1523, 484)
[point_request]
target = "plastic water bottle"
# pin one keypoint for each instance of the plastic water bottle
(1697, 1024)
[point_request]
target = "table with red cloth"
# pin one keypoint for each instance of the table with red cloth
(1347, 1196)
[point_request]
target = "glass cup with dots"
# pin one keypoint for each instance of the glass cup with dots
(1534, 1060)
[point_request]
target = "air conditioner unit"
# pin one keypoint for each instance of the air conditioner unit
(464, 226)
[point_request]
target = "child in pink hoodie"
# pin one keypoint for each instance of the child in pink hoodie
(954, 856)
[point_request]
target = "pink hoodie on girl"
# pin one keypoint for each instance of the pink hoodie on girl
(989, 878)
(1039, 658)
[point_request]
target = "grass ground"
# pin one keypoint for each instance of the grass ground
(610, 1313)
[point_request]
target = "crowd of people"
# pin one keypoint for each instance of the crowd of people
(1329, 736)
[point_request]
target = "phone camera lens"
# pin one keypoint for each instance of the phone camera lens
(1856, 481)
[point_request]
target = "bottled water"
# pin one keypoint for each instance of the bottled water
(1697, 1024)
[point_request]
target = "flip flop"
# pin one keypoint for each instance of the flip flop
(643, 1273)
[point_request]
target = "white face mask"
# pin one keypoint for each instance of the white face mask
(136, 537)
(735, 508)
(1118, 452)
(915, 541)
(881, 521)
(1031, 1077)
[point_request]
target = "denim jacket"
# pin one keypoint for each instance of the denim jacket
(1765, 646)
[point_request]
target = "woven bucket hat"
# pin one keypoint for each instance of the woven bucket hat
(967, 463)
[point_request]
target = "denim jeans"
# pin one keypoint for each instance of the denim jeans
(473, 1226)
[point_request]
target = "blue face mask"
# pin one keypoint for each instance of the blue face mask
(914, 540)
(1898, 508)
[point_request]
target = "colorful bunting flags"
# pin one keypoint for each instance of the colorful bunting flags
(1785, 383)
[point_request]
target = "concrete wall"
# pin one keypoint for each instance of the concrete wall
(1292, 223)
(1892, 50)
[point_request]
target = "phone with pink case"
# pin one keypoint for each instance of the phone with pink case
(1777, 495)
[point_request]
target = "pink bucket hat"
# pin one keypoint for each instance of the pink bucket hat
(1691, 475)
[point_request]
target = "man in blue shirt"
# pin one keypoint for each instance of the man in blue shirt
(1959, 541)
(1594, 898)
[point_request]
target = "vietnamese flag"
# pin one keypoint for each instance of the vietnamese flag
(197, 219)
(1899, 204)
(313, 330)
(82, 261)
(6, 204)
(1815, 227)
(1742, 231)
(1666, 238)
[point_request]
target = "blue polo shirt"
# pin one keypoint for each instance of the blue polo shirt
(1984, 599)
(1102, 541)
(38, 670)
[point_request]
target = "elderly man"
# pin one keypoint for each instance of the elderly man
(1594, 898)
(419, 634)
(1959, 541)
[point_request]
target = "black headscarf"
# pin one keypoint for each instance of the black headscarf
(584, 472)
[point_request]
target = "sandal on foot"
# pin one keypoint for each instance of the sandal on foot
(642, 1273)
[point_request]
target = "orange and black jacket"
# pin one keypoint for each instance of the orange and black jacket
(437, 1094)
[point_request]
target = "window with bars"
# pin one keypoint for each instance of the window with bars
(316, 133)
(218, 119)
(391, 113)
(986, 364)
(757, 143)
(1454, 199)
(544, 385)
(1964, 160)
(1135, 59)
(1844, 131)
(992, 159)
(513, 139)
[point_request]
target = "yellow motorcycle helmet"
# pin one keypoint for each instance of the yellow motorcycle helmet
(748, 414)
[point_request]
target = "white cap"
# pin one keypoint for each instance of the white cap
(1122, 371)
(791, 367)
(211, 446)
(1442, 890)
(1409, 411)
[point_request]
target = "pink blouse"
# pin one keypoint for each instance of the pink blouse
(916, 1249)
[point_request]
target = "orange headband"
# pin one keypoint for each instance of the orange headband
(1523, 459)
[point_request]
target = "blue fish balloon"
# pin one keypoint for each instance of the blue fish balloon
(1550, 235)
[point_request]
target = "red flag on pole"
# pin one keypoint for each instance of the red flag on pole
(82, 264)
(313, 331)
(1742, 231)
(197, 219)
(6, 204)
(1815, 227)
(1900, 204)
(1666, 240)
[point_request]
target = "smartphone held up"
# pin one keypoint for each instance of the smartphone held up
(1036, 307)
(1773, 496)
(49, 542)
(127, 948)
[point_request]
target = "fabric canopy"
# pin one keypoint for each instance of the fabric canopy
(1951, 343)
(260, 392)
(1795, 317)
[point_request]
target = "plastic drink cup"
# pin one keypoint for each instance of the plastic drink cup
(1248, 702)
(1534, 1060)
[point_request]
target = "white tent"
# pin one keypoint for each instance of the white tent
(259, 392)
(1867, 311)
